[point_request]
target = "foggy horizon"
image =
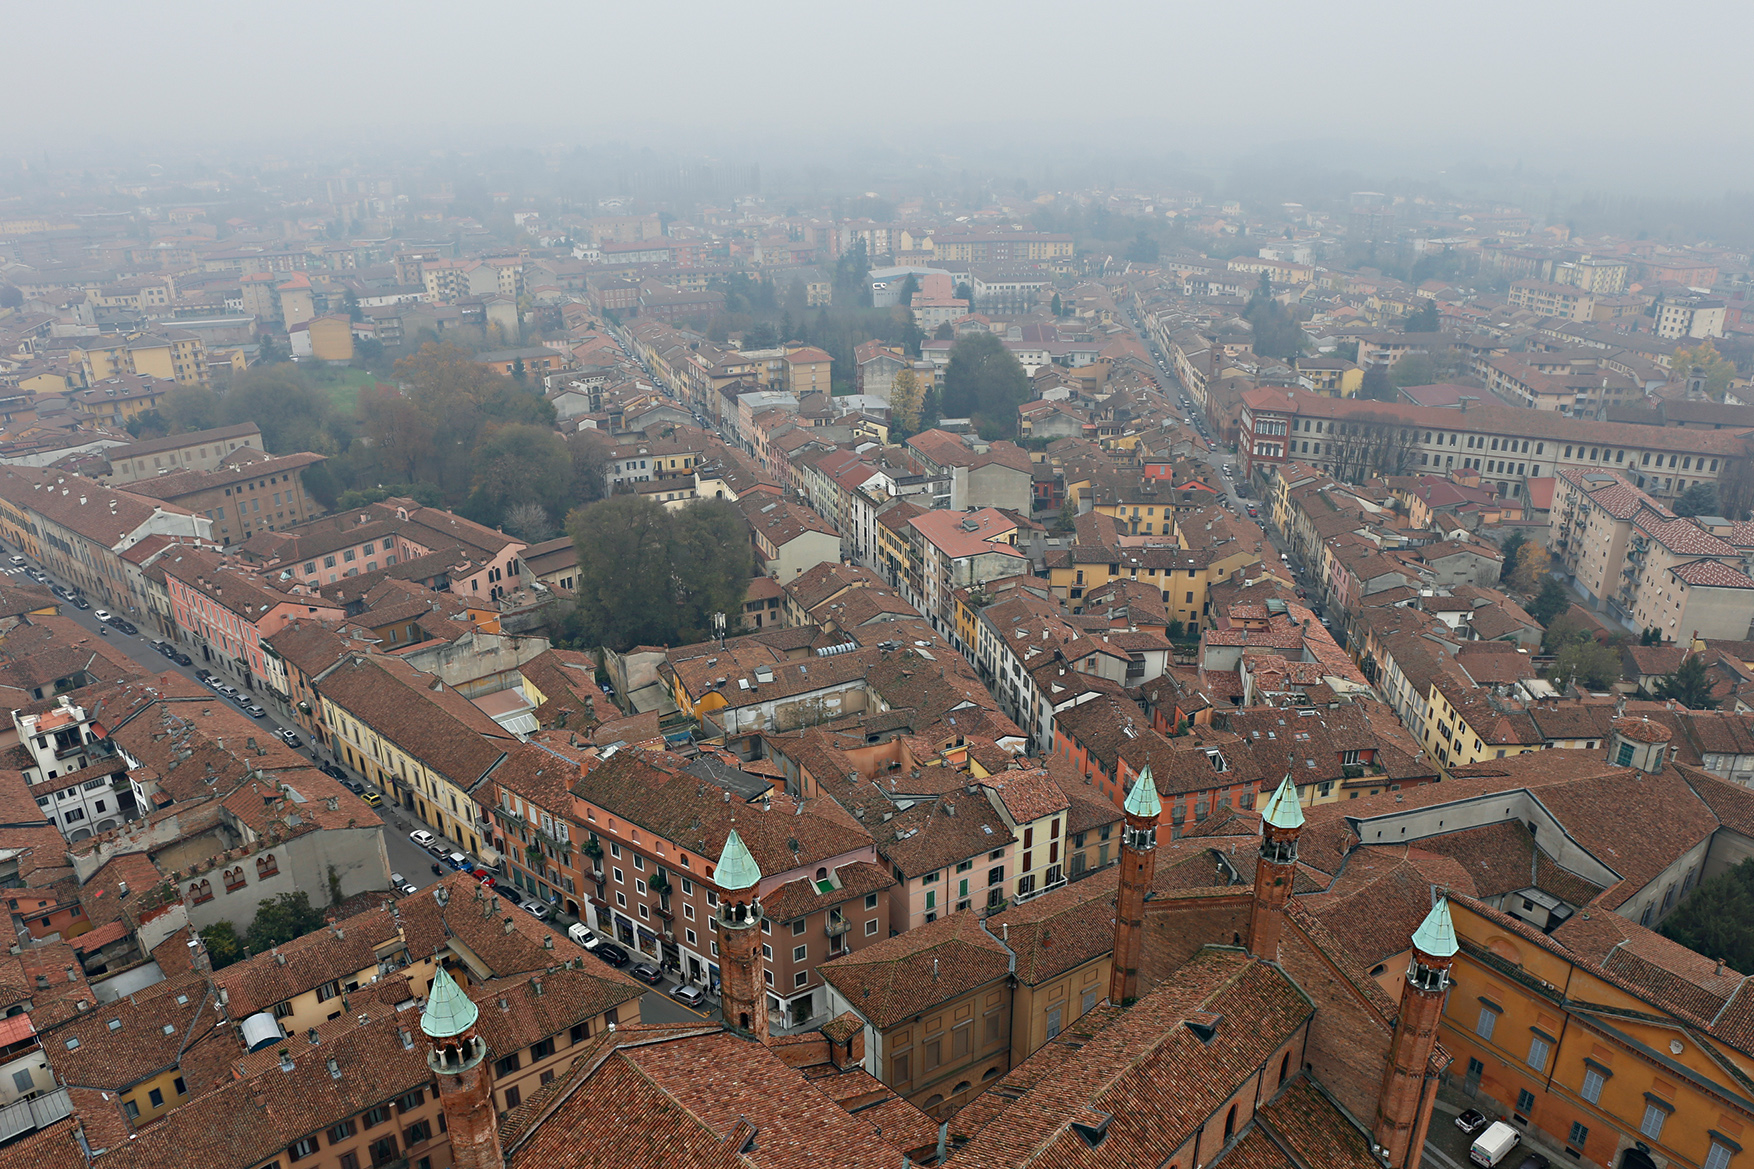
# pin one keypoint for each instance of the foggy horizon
(1501, 94)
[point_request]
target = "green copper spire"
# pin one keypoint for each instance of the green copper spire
(1283, 810)
(448, 1010)
(1436, 935)
(1142, 801)
(736, 869)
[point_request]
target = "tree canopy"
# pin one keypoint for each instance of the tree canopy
(1553, 599)
(1699, 499)
(1587, 662)
(1717, 918)
(1424, 318)
(1277, 333)
(1703, 361)
(985, 382)
(1690, 684)
(647, 576)
(281, 919)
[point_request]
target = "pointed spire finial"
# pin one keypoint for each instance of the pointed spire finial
(1283, 810)
(1436, 935)
(736, 868)
(1142, 801)
(448, 1010)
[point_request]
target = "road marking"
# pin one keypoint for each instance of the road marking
(1431, 1150)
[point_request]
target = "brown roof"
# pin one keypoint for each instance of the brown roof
(901, 976)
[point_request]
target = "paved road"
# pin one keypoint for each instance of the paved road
(407, 858)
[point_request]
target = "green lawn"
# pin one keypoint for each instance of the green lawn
(343, 386)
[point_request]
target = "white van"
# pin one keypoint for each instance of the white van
(1494, 1145)
(581, 933)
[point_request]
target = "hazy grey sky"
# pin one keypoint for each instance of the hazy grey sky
(1377, 76)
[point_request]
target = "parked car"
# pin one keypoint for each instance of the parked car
(102, 614)
(372, 799)
(485, 877)
(164, 647)
(435, 848)
(352, 785)
(18, 560)
(610, 953)
(80, 602)
(536, 909)
(255, 711)
(422, 837)
(1472, 1120)
(459, 862)
(398, 879)
(124, 625)
(647, 973)
(690, 996)
(290, 739)
(407, 889)
(181, 658)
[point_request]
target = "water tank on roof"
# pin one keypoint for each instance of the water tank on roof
(261, 1030)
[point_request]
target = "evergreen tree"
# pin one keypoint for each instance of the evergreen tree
(908, 287)
(1512, 543)
(1376, 386)
(281, 919)
(1059, 309)
(984, 381)
(1699, 499)
(1553, 600)
(1717, 919)
(1424, 318)
(1690, 685)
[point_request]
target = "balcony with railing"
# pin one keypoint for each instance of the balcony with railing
(835, 925)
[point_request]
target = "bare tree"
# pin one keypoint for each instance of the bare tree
(529, 521)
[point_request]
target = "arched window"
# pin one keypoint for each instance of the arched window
(201, 890)
(234, 879)
(267, 866)
(1230, 1123)
(935, 1099)
(961, 1087)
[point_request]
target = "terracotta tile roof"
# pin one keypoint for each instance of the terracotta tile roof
(1060, 930)
(901, 976)
(801, 897)
(118, 1044)
(659, 1097)
(527, 1008)
(54, 1147)
(1026, 795)
(425, 718)
(1307, 1121)
(1713, 574)
(1121, 1076)
(338, 951)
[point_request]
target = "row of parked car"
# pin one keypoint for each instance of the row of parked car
(646, 972)
(241, 699)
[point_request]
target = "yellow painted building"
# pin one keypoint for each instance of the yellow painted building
(1464, 726)
(176, 355)
(1592, 1053)
(1184, 587)
(445, 807)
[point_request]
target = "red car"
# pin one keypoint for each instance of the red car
(485, 877)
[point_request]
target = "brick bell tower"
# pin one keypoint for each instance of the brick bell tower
(742, 991)
(1275, 868)
(1138, 864)
(1409, 1085)
(458, 1056)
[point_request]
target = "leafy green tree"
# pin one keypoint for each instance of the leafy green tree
(350, 304)
(632, 554)
(1717, 919)
(148, 424)
(908, 287)
(985, 382)
(1512, 544)
(1059, 307)
(10, 296)
(223, 944)
(292, 413)
(965, 291)
(944, 332)
(1143, 249)
(1276, 332)
(520, 464)
(1377, 387)
(1587, 662)
(519, 373)
(1690, 684)
(1651, 636)
(1553, 599)
(1423, 319)
(852, 277)
(191, 408)
(711, 562)
(281, 919)
(1415, 369)
(1699, 499)
(270, 352)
